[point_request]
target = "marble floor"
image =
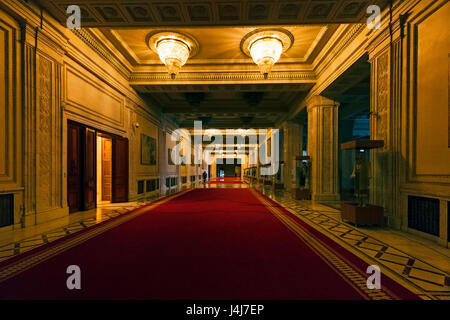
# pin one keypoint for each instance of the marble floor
(18, 241)
(419, 264)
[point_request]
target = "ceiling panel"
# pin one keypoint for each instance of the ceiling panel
(216, 44)
(126, 13)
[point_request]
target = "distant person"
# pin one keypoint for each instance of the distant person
(205, 175)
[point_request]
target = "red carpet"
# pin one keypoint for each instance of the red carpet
(226, 180)
(204, 244)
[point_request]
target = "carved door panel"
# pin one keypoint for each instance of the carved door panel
(74, 170)
(119, 169)
(89, 167)
(106, 169)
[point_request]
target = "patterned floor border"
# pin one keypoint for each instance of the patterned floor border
(338, 263)
(424, 277)
(427, 280)
(27, 262)
(108, 212)
(18, 247)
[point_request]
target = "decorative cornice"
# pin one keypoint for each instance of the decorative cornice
(86, 36)
(145, 78)
(341, 44)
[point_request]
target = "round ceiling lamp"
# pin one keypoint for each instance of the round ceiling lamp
(173, 49)
(265, 47)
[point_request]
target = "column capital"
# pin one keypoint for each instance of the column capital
(320, 101)
(289, 123)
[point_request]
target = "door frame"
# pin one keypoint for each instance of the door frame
(97, 132)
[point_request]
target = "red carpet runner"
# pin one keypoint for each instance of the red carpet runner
(204, 244)
(226, 180)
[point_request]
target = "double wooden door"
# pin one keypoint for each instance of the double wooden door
(82, 171)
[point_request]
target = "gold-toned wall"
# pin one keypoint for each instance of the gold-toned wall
(433, 60)
(11, 126)
(62, 78)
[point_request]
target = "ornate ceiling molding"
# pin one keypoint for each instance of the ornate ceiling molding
(153, 13)
(226, 87)
(211, 77)
(88, 38)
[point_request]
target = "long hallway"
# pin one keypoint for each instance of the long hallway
(225, 150)
(203, 243)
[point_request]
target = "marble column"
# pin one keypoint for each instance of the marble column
(292, 145)
(323, 147)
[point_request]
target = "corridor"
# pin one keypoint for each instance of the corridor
(247, 247)
(219, 240)
(225, 150)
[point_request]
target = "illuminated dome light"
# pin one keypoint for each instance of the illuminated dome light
(265, 53)
(265, 46)
(174, 54)
(173, 49)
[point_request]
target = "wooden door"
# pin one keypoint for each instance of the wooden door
(74, 168)
(106, 169)
(89, 167)
(119, 169)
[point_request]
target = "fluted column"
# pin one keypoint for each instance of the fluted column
(323, 147)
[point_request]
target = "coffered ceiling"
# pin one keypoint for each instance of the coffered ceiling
(157, 13)
(220, 84)
(227, 106)
(218, 45)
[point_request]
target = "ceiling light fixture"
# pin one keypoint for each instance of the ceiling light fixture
(173, 49)
(265, 47)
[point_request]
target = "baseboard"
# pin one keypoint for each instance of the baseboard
(42, 217)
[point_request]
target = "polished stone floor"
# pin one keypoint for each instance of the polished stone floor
(417, 263)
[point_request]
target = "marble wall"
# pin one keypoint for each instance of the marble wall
(52, 75)
(11, 115)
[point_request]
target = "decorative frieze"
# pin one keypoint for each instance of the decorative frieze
(382, 96)
(44, 168)
(292, 76)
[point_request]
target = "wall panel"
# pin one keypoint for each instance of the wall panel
(433, 48)
(89, 97)
(9, 110)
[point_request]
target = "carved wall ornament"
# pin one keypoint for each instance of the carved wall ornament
(382, 95)
(45, 132)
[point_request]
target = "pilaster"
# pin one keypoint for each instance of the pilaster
(385, 124)
(293, 138)
(323, 147)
